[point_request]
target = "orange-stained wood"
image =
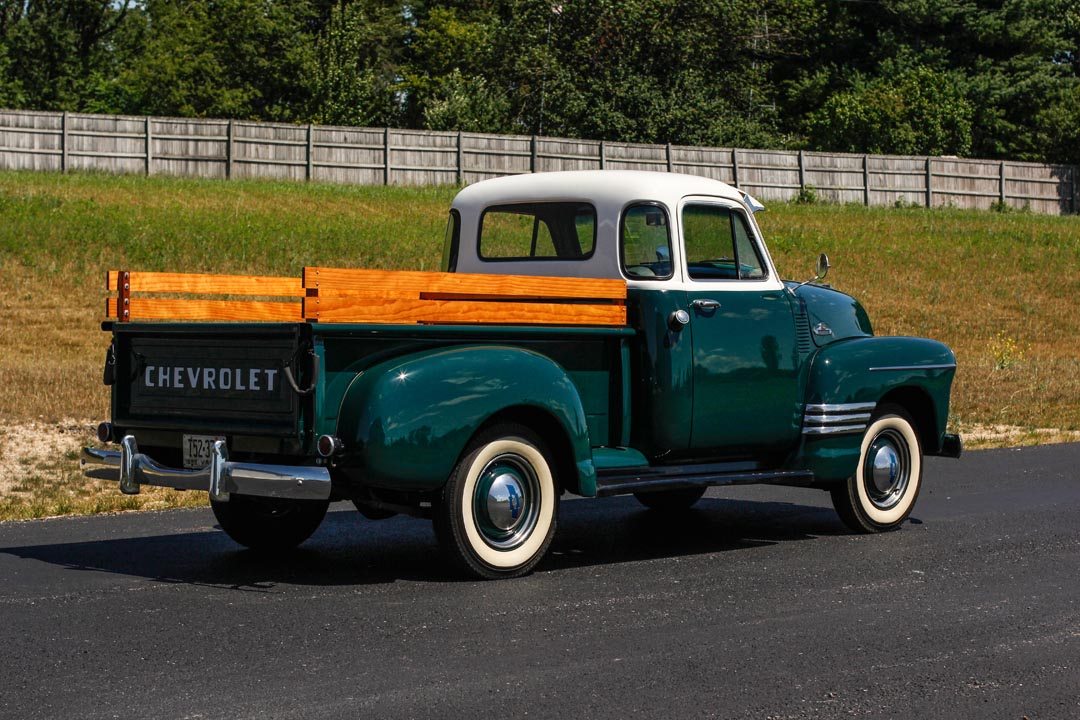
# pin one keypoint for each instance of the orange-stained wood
(206, 284)
(390, 310)
(361, 282)
(163, 309)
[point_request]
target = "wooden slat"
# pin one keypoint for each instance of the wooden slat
(345, 281)
(391, 310)
(165, 309)
(207, 284)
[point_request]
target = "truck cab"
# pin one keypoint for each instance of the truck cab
(720, 373)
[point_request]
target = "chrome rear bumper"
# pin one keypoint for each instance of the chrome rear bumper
(220, 478)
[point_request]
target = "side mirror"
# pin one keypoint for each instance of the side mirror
(822, 270)
(822, 266)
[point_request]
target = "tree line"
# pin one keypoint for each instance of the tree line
(984, 78)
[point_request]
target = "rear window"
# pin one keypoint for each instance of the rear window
(538, 231)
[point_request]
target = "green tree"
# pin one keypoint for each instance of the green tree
(53, 52)
(919, 111)
(358, 76)
(248, 59)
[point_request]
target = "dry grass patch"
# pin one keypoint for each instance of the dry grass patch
(40, 476)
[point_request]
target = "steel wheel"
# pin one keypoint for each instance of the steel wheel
(496, 515)
(883, 490)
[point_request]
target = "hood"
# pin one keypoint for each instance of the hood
(828, 309)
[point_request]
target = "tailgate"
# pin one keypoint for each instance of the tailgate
(225, 379)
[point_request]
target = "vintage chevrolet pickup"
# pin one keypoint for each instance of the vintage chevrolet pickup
(597, 333)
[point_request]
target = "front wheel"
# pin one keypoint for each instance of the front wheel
(496, 515)
(269, 524)
(882, 492)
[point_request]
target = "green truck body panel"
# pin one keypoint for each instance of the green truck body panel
(405, 421)
(868, 370)
(842, 314)
(662, 366)
(745, 356)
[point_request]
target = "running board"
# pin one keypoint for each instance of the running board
(622, 481)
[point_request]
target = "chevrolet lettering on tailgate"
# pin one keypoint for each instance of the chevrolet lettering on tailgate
(199, 378)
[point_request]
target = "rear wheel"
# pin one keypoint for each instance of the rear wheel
(883, 490)
(670, 500)
(269, 523)
(496, 515)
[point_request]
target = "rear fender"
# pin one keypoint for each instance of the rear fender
(913, 372)
(406, 421)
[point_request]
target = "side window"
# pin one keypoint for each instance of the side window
(645, 242)
(751, 266)
(719, 245)
(537, 231)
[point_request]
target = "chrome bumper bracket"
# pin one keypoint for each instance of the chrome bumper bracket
(220, 478)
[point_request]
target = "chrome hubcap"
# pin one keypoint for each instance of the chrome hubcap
(887, 469)
(506, 502)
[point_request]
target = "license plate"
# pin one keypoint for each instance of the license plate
(197, 450)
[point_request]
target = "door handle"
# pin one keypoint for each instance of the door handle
(705, 304)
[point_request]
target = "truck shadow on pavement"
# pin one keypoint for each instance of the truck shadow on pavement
(348, 550)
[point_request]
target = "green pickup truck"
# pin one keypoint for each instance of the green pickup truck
(721, 374)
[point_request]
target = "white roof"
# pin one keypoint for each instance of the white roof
(608, 191)
(601, 187)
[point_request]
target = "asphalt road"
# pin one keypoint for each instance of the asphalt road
(756, 604)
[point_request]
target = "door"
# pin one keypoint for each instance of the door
(745, 358)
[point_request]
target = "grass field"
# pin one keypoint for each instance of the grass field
(1001, 289)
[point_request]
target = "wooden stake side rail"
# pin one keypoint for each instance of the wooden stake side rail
(460, 312)
(333, 295)
(170, 309)
(124, 307)
(503, 287)
(203, 284)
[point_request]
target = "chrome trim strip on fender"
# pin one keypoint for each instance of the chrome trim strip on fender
(944, 366)
(837, 419)
(841, 408)
(833, 429)
(221, 477)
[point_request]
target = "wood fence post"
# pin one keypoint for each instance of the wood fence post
(603, 154)
(532, 154)
(802, 171)
(929, 182)
(460, 161)
(64, 142)
(1001, 184)
(670, 164)
(1075, 204)
(228, 150)
(309, 166)
(866, 180)
(735, 167)
(386, 156)
(149, 139)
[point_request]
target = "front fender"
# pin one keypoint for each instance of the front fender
(406, 421)
(865, 371)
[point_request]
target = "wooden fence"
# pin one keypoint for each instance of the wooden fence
(234, 149)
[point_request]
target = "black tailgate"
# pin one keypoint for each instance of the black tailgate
(226, 379)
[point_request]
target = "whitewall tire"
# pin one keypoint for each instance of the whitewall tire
(883, 490)
(497, 513)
